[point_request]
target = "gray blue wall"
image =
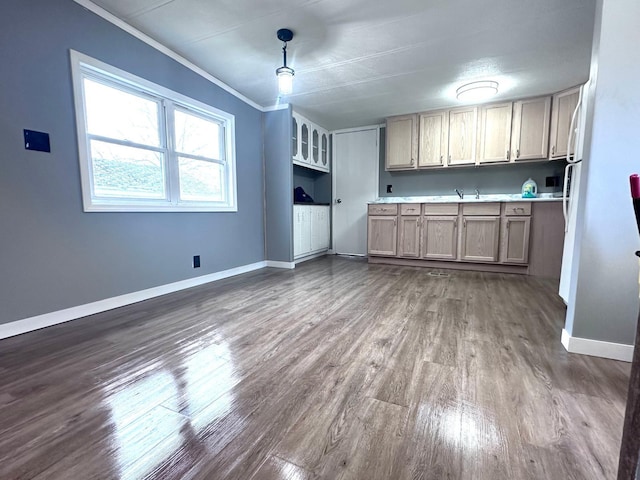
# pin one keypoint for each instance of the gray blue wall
(52, 254)
(278, 184)
(488, 178)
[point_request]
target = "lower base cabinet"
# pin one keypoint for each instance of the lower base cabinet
(490, 233)
(479, 240)
(311, 229)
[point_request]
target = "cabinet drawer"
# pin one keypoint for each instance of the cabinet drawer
(516, 208)
(481, 209)
(383, 209)
(440, 209)
(409, 209)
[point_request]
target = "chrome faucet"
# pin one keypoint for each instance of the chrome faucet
(477, 194)
(460, 193)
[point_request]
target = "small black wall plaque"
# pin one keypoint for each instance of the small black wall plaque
(38, 141)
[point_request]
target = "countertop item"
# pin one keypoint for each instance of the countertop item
(510, 197)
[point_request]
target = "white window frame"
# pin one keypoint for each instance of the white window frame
(83, 66)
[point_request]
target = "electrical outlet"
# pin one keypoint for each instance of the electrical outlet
(389, 188)
(196, 261)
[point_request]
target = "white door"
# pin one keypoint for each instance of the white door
(355, 173)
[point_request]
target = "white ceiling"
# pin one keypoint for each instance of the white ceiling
(358, 61)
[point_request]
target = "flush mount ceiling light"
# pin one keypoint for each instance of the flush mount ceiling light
(476, 91)
(284, 73)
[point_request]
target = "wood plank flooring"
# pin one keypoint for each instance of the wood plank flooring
(336, 370)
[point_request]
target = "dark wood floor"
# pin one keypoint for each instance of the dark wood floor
(338, 369)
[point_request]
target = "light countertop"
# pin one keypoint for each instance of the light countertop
(468, 198)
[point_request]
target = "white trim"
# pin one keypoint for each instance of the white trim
(358, 129)
(597, 348)
(310, 257)
(273, 108)
(84, 66)
(101, 12)
(53, 318)
(275, 264)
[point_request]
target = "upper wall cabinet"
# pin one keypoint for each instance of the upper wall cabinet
(402, 142)
(530, 130)
(494, 132)
(433, 147)
(462, 135)
(310, 144)
(507, 132)
(564, 103)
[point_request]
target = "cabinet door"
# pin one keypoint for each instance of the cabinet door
(463, 124)
(432, 147)
(479, 240)
(402, 142)
(439, 237)
(324, 150)
(315, 146)
(530, 131)
(514, 247)
(305, 140)
(494, 132)
(319, 228)
(295, 138)
(562, 108)
(409, 237)
(301, 230)
(382, 234)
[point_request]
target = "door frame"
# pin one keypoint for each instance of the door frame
(377, 128)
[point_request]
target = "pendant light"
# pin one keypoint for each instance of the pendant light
(284, 73)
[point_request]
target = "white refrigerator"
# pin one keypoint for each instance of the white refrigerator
(571, 189)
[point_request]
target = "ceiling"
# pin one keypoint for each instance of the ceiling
(359, 61)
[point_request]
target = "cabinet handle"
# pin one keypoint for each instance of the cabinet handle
(464, 223)
(449, 158)
(507, 154)
(412, 161)
(455, 224)
(553, 149)
(518, 153)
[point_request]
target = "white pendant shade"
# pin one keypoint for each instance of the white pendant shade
(285, 80)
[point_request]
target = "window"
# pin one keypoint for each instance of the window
(146, 148)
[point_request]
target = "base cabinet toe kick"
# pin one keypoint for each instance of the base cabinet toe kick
(488, 236)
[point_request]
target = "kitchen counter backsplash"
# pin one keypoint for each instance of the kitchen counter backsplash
(468, 198)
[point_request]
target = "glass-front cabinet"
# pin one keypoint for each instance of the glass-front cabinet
(310, 144)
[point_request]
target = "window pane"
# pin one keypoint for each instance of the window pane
(197, 136)
(127, 172)
(201, 180)
(122, 115)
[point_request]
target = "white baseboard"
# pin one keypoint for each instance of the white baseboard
(53, 318)
(597, 348)
(275, 264)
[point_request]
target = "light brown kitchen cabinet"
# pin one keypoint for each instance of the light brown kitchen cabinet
(562, 108)
(479, 239)
(382, 235)
(530, 129)
(514, 232)
(439, 237)
(494, 132)
(409, 236)
(382, 229)
(402, 142)
(463, 124)
(432, 147)
(514, 246)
